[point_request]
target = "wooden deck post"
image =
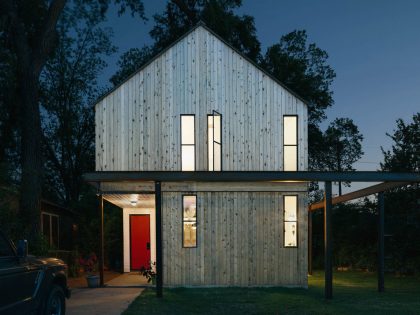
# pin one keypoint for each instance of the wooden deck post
(310, 243)
(328, 240)
(381, 243)
(101, 240)
(159, 262)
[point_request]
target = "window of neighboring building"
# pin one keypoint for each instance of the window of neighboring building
(50, 228)
(189, 221)
(290, 140)
(290, 221)
(214, 132)
(188, 142)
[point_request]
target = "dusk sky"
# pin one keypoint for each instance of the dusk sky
(373, 46)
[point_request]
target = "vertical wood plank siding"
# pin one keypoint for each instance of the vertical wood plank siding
(240, 225)
(239, 241)
(137, 125)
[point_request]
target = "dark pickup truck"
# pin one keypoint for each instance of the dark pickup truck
(30, 285)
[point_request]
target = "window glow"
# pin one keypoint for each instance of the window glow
(188, 142)
(290, 221)
(290, 135)
(290, 143)
(290, 158)
(189, 221)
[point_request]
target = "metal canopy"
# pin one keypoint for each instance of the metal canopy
(251, 176)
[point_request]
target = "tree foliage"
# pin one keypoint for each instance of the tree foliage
(402, 205)
(303, 68)
(342, 146)
(405, 152)
(179, 17)
(130, 61)
(28, 28)
(69, 86)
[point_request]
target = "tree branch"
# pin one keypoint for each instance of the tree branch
(184, 8)
(47, 36)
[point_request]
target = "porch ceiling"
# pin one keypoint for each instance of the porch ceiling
(131, 200)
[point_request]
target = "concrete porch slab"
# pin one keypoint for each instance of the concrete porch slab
(126, 280)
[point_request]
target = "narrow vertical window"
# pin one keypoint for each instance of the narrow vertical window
(214, 131)
(290, 148)
(188, 142)
(290, 221)
(189, 221)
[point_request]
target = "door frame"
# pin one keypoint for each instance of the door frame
(150, 234)
(126, 234)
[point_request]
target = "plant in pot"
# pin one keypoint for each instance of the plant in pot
(149, 272)
(90, 263)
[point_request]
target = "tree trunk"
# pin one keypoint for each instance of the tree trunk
(31, 184)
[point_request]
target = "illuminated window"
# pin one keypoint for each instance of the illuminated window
(189, 221)
(290, 221)
(290, 143)
(50, 228)
(187, 142)
(214, 132)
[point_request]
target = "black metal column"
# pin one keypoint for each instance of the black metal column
(328, 240)
(159, 262)
(381, 243)
(101, 241)
(310, 242)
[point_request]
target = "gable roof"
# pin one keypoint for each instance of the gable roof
(203, 25)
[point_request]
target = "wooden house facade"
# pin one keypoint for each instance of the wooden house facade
(202, 106)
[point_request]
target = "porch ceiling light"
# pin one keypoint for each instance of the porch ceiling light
(133, 202)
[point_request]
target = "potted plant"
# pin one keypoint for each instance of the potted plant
(89, 264)
(149, 272)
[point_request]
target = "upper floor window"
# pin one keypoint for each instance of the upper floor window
(188, 142)
(214, 131)
(290, 141)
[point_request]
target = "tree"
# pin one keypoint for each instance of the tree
(303, 68)
(402, 205)
(343, 146)
(405, 154)
(69, 87)
(179, 16)
(30, 28)
(129, 62)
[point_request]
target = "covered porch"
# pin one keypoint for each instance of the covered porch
(138, 183)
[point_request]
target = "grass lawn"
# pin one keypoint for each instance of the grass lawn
(353, 293)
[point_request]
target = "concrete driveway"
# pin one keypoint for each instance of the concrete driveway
(104, 301)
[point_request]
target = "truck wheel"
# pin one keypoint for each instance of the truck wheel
(55, 303)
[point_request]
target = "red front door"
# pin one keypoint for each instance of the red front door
(140, 241)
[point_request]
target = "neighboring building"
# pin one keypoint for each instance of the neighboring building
(200, 105)
(58, 225)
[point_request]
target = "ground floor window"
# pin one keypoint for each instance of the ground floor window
(290, 205)
(50, 228)
(189, 221)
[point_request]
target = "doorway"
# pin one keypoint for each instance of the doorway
(139, 241)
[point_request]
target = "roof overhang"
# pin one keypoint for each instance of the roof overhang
(250, 176)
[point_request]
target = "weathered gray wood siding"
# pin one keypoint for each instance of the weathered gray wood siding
(138, 124)
(239, 241)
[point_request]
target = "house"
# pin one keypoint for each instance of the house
(202, 107)
(58, 224)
